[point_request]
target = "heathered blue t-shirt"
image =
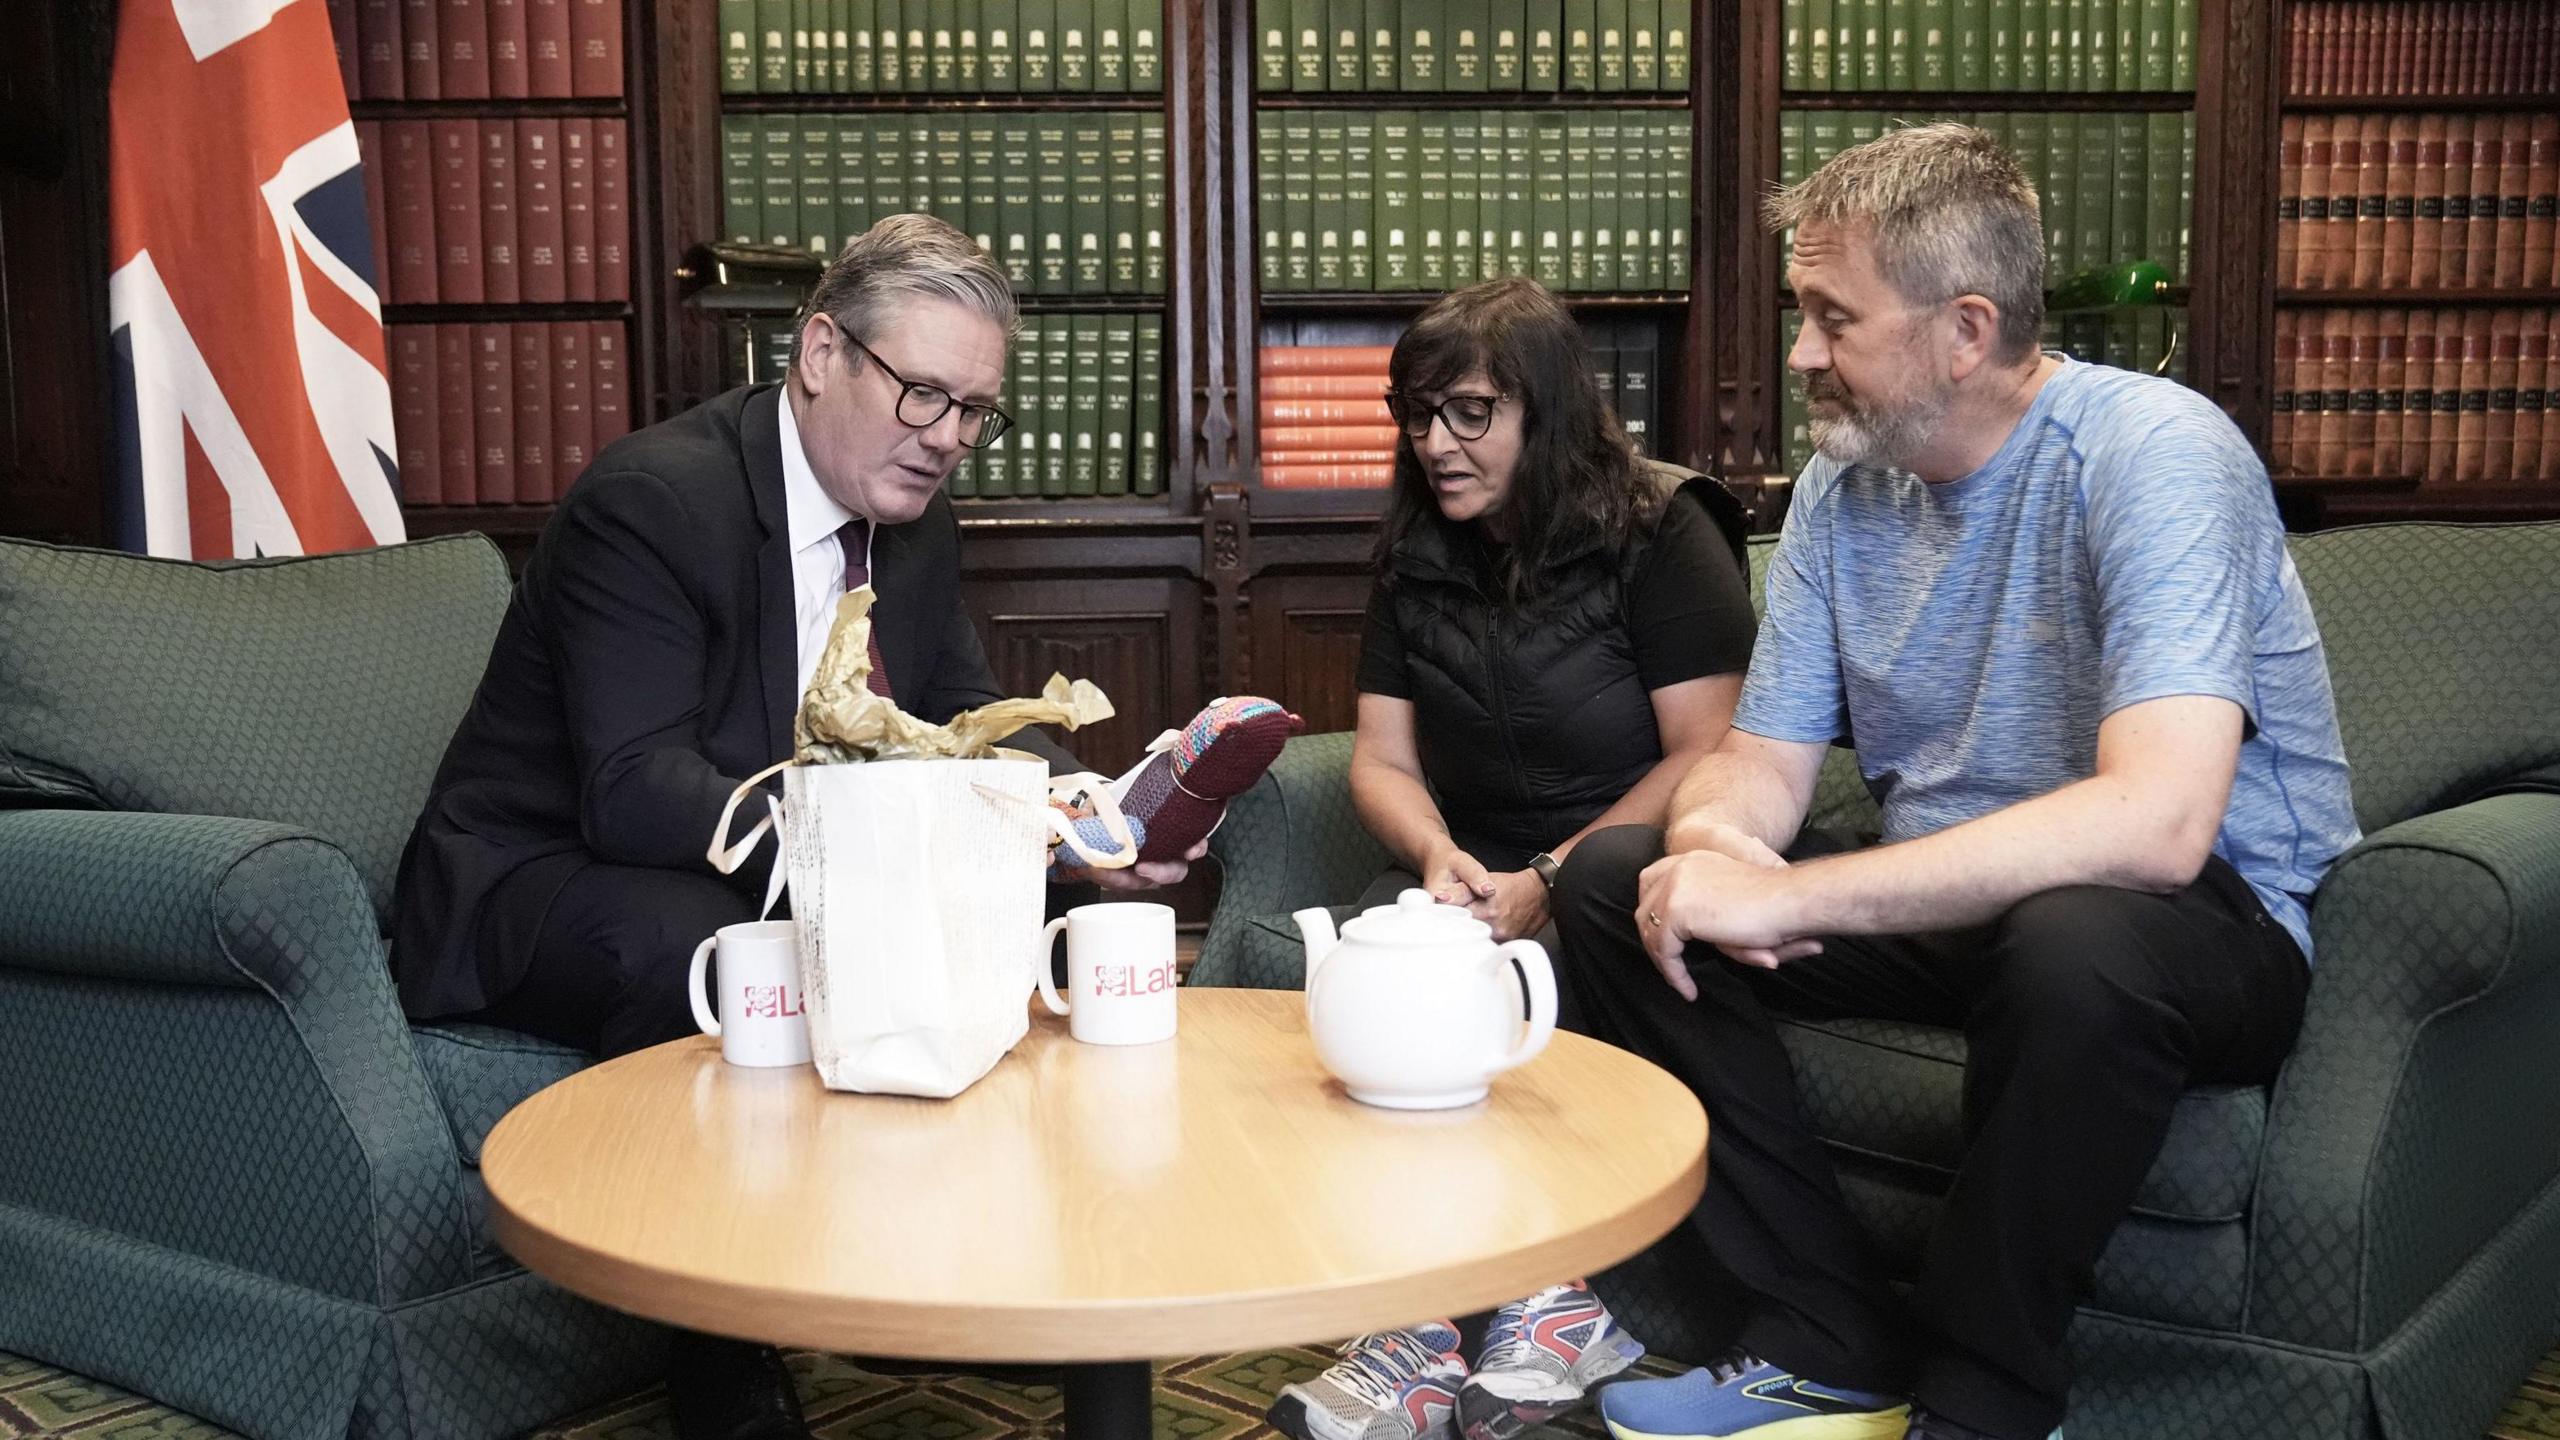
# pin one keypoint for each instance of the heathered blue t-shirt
(2122, 546)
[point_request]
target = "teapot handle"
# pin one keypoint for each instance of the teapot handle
(1542, 1000)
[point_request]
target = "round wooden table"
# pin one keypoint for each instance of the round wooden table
(1086, 1204)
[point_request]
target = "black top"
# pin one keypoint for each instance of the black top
(1531, 723)
(647, 663)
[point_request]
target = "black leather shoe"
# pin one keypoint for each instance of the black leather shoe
(723, 1389)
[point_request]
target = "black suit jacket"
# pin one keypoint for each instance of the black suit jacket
(647, 663)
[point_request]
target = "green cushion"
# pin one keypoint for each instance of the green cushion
(481, 1072)
(2444, 651)
(314, 691)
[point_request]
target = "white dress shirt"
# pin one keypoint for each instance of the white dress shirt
(817, 559)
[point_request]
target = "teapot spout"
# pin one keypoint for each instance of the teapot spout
(1316, 924)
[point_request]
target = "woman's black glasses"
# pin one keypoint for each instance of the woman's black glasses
(920, 405)
(1467, 416)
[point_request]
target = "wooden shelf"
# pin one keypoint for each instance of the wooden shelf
(2475, 502)
(2450, 103)
(1067, 513)
(1300, 304)
(2055, 100)
(2345, 484)
(823, 104)
(2171, 298)
(2540, 295)
(1470, 100)
(1085, 304)
(601, 107)
(456, 314)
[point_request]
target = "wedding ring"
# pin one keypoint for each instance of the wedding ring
(1652, 919)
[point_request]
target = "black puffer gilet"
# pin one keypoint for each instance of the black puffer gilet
(1529, 723)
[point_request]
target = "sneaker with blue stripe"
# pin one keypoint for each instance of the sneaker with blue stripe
(1541, 1357)
(1743, 1395)
(1390, 1385)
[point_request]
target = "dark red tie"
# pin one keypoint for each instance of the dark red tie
(855, 536)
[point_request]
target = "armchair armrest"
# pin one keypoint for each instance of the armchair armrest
(215, 993)
(2408, 1126)
(1289, 842)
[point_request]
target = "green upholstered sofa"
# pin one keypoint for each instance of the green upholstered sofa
(2371, 1247)
(238, 1180)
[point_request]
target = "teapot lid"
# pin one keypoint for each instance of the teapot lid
(1417, 919)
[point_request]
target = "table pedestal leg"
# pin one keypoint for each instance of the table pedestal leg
(1111, 1402)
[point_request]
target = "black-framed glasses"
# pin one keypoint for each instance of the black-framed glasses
(921, 405)
(1467, 416)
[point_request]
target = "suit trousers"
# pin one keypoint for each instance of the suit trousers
(2086, 1011)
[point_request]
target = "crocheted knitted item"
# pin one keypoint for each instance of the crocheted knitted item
(1181, 791)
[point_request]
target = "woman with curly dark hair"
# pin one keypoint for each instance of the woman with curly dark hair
(1554, 637)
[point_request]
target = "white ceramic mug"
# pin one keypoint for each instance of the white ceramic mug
(1120, 975)
(760, 1019)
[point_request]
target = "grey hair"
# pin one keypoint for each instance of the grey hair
(901, 259)
(1951, 212)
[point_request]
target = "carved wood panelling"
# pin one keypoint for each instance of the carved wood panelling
(1306, 644)
(1137, 639)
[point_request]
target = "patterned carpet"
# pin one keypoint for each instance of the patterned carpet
(1219, 1398)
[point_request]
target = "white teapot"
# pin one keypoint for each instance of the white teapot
(1415, 1007)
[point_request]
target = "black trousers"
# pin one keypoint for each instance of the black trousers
(2086, 1010)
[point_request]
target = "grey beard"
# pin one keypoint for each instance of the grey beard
(1869, 436)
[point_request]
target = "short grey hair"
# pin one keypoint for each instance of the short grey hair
(901, 259)
(1951, 213)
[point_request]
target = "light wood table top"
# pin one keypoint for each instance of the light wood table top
(1086, 1203)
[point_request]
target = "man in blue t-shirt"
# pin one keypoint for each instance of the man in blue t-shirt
(2052, 604)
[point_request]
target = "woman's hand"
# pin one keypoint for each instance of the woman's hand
(1517, 907)
(1455, 877)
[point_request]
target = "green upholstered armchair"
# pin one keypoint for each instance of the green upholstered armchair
(241, 1182)
(2368, 1248)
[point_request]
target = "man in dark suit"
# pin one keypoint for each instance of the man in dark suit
(654, 655)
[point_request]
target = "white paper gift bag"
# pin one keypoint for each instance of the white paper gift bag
(917, 887)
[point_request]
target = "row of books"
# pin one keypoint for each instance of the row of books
(470, 212)
(2150, 339)
(1321, 419)
(1584, 200)
(2035, 45)
(2111, 187)
(1598, 46)
(2451, 396)
(940, 47)
(477, 49)
(2437, 47)
(504, 414)
(1068, 203)
(2432, 201)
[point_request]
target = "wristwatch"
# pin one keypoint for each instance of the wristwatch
(1545, 866)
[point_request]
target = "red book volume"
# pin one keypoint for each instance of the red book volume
(572, 426)
(380, 68)
(421, 59)
(2400, 201)
(613, 212)
(2280, 428)
(2288, 198)
(2515, 171)
(2390, 384)
(532, 370)
(608, 384)
(2309, 267)
(501, 285)
(414, 399)
(546, 25)
(493, 409)
(2373, 199)
(377, 210)
(409, 188)
(2426, 185)
(457, 450)
(1328, 437)
(2534, 437)
(2471, 431)
(2444, 422)
(1324, 412)
(1332, 457)
(2454, 251)
(539, 236)
(595, 57)
(2337, 347)
(1327, 477)
(343, 39)
(2542, 200)
(2346, 171)
(2417, 414)
(2363, 395)
(2506, 352)
(462, 32)
(510, 50)
(1323, 387)
(457, 158)
(578, 206)
(1324, 359)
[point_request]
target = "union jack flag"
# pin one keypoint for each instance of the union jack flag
(255, 412)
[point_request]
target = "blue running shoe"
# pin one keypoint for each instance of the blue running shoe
(1742, 1394)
